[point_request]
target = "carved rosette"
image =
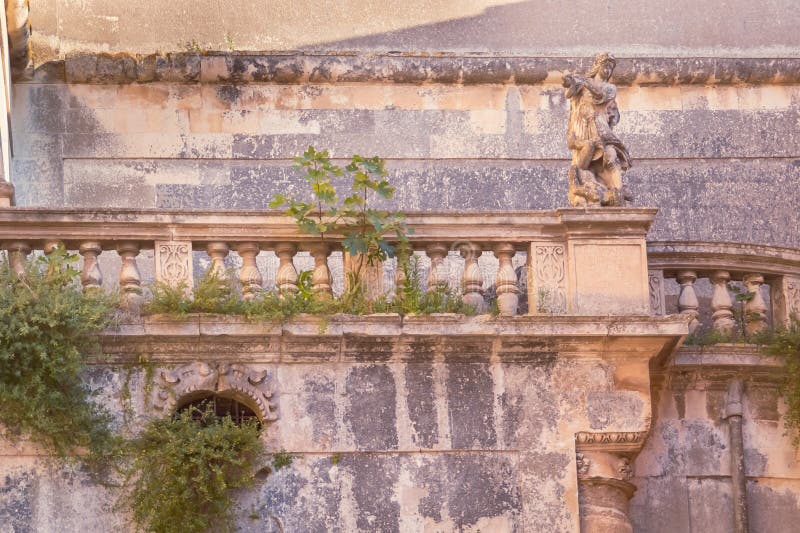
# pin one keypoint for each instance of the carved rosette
(237, 381)
(547, 288)
(604, 467)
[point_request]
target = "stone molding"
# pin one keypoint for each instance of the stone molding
(75, 225)
(298, 67)
(612, 442)
(343, 338)
(738, 259)
(238, 381)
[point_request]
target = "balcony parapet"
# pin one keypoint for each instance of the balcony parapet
(579, 261)
(755, 267)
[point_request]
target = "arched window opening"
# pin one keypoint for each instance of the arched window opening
(223, 406)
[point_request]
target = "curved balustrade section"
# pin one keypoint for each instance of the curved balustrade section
(748, 284)
(578, 261)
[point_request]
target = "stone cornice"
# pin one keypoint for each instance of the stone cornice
(298, 67)
(389, 337)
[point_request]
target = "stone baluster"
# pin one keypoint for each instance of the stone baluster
(437, 276)
(51, 245)
(506, 280)
(218, 251)
(17, 254)
(721, 303)
(321, 277)
(249, 275)
(472, 282)
(286, 278)
(91, 277)
(755, 310)
(130, 281)
(687, 300)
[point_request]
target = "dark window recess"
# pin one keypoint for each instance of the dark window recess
(222, 406)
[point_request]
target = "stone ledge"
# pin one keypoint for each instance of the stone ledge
(297, 67)
(389, 337)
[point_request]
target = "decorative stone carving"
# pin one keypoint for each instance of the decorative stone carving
(603, 464)
(174, 263)
(618, 441)
(547, 290)
(251, 387)
(583, 464)
(598, 156)
(655, 282)
(785, 295)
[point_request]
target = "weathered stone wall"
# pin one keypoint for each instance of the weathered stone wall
(720, 161)
(740, 27)
(683, 473)
(391, 433)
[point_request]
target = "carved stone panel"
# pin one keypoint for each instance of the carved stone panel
(174, 262)
(655, 281)
(786, 299)
(547, 292)
(240, 382)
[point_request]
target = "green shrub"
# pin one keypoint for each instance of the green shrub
(184, 467)
(47, 326)
(786, 343)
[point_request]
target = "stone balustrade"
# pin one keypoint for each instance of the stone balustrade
(766, 277)
(580, 262)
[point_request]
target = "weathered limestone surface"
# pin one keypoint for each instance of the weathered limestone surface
(702, 152)
(741, 29)
(434, 423)
(683, 473)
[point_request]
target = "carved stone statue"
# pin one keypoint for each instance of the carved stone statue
(598, 156)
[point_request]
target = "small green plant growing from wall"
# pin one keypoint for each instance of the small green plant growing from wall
(282, 459)
(184, 467)
(353, 222)
(47, 326)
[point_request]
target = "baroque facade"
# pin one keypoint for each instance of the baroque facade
(579, 407)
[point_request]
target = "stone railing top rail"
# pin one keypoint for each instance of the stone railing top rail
(73, 226)
(309, 67)
(736, 258)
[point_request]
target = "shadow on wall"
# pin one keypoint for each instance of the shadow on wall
(629, 27)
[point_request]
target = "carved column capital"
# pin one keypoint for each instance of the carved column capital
(604, 463)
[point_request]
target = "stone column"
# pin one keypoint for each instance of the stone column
(605, 467)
